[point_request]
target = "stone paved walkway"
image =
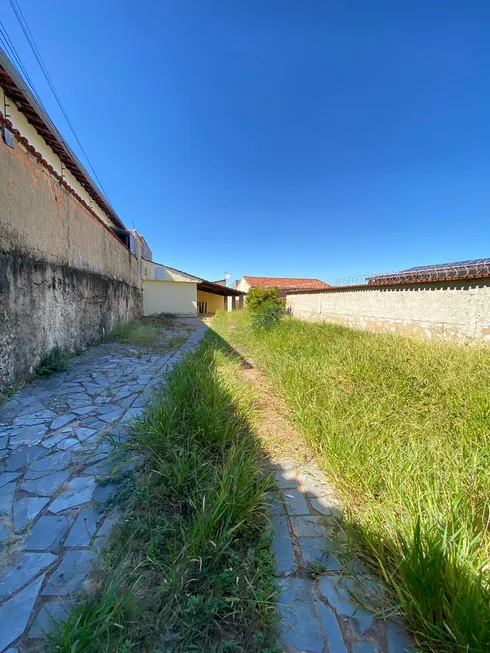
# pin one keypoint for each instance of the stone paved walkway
(316, 603)
(52, 453)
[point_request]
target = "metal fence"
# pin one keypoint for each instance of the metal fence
(474, 269)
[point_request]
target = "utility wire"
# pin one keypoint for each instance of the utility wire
(30, 39)
(9, 47)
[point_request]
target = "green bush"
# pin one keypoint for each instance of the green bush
(58, 360)
(257, 297)
(268, 315)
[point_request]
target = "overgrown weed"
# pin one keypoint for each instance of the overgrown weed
(190, 566)
(402, 428)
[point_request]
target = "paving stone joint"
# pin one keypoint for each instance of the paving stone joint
(54, 450)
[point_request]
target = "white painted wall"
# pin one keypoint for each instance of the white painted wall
(20, 122)
(179, 297)
(243, 285)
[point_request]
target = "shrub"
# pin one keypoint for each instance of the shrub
(142, 333)
(257, 297)
(58, 360)
(267, 315)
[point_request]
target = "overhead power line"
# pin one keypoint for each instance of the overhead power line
(35, 50)
(9, 47)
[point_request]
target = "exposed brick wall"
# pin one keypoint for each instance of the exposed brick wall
(447, 309)
(65, 278)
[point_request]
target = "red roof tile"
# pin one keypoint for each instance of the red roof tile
(283, 283)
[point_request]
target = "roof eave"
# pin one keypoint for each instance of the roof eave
(27, 104)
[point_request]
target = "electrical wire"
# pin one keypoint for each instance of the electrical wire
(9, 47)
(30, 39)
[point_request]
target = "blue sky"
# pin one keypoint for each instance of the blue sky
(279, 137)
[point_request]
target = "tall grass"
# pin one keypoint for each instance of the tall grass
(403, 429)
(142, 333)
(190, 567)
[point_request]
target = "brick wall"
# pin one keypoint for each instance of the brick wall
(446, 309)
(65, 279)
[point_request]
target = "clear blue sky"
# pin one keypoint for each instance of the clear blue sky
(279, 137)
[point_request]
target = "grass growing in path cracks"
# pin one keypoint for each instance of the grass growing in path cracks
(190, 566)
(402, 429)
(141, 333)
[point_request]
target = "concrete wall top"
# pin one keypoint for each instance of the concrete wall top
(444, 309)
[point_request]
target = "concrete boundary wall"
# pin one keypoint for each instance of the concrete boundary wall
(445, 309)
(43, 306)
(65, 278)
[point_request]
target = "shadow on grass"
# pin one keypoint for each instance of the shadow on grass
(189, 566)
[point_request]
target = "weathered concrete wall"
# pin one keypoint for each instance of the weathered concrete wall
(43, 305)
(65, 278)
(446, 309)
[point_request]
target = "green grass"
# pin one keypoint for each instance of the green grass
(402, 427)
(190, 566)
(176, 341)
(143, 333)
(8, 391)
(58, 360)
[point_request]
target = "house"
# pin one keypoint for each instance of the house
(168, 290)
(283, 284)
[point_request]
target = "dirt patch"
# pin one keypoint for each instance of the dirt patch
(280, 439)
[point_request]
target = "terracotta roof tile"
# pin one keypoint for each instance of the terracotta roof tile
(284, 283)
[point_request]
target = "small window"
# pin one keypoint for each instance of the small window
(8, 137)
(159, 273)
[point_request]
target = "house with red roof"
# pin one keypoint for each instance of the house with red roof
(283, 284)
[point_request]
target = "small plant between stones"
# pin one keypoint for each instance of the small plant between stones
(58, 360)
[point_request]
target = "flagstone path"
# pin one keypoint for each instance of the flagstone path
(52, 454)
(317, 588)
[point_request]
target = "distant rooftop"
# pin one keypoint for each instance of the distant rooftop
(285, 283)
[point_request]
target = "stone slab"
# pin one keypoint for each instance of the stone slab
(308, 526)
(84, 527)
(336, 591)
(8, 477)
(78, 491)
(282, 546)
(70, 573)
(364, 647)
(49, 614)
(60, 421)
(46, 533)
(314, 550)
(15, 613)
(46, 486)
(24, 456)
(286, 479)
(27, 509)
(295, 503)
(397, 640)
(30, 435)
(24, 567)
(108, 524)
(335, 639)
(7, 499)
(299, 626)
(326, 506)
(54, 463)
